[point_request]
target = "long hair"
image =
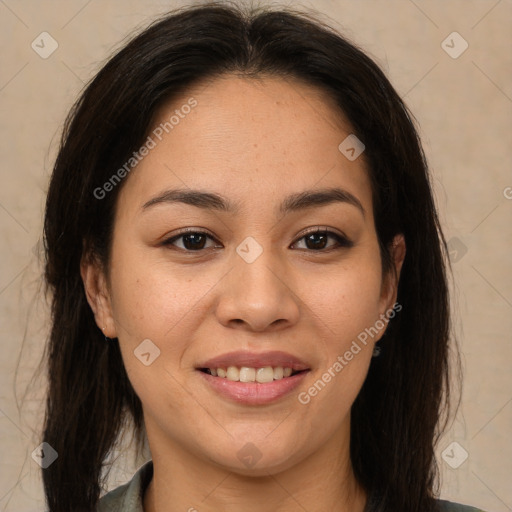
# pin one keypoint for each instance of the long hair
(396, 418)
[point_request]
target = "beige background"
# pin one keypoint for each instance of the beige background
(464, 109)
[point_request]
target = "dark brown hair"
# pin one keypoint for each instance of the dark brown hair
(396, 418)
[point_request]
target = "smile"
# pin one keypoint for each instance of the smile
(251, 378)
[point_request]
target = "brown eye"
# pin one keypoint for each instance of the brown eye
(191, 240)
(318, 240)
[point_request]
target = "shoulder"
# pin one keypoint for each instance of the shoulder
(128, 497)
(448, 506)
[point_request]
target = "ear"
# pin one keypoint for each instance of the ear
(98, 295)
(389, 288)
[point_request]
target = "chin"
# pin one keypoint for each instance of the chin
(257, 457)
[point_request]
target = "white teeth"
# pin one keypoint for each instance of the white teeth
(247, 374)
(278, 373)
(233, 373)
(265, 374)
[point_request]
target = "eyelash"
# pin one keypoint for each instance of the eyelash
(343, 242)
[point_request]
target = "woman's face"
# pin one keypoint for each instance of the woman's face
(269, 276)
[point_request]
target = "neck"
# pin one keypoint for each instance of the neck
(322, 481)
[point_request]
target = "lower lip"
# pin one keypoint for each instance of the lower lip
(254, 393)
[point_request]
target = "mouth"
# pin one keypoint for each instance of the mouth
(251, 378)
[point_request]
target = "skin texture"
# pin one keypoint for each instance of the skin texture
(254, 142)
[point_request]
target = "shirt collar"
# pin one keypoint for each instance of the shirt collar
(128, 497)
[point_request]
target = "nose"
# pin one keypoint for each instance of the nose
(258, 295)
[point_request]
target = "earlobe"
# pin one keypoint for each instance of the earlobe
(98, 296)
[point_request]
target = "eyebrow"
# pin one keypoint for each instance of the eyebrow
(292, 203)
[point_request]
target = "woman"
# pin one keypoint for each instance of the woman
(246, 261)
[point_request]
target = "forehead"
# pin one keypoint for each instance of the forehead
(276, 110)
(249, 139)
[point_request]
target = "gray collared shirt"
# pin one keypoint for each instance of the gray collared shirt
(128, 497)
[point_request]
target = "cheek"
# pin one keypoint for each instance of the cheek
(149, 301)
(347, 300)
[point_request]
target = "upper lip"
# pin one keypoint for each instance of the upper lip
(256, 360)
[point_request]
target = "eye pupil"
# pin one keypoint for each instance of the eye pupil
(194, 237)
(319, 245)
